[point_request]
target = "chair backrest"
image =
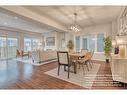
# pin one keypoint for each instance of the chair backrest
(84, 51)
(87, 56)
(17, 52)
(22, 52)
(63, 57)
(90, 55)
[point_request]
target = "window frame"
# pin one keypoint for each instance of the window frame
(97, 43)
(32, 46)
(88, 41)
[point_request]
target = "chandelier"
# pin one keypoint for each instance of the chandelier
(75, 26)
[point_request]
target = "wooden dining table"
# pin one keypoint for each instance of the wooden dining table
(76, 56)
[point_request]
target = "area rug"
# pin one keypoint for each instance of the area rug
(84, 79)
(29, 61)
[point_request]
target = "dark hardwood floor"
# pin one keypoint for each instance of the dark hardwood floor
(18, 75)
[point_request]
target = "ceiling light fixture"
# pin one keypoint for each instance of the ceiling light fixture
(75, 26)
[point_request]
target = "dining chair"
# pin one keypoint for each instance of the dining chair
(17, 53)
(64, 60)
(84, 50)
(83, 61)
(24, 53)
(90, 58)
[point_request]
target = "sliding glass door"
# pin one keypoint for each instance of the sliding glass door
(8, 46)
(27, 44)
(11, 47)
(3, 48)
(31, 44)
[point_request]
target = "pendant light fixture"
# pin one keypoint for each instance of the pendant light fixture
(75, 26)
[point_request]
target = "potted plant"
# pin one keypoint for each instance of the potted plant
(70, 45)
(107, 48)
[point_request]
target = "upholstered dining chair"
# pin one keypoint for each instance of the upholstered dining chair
(17, 53)
(24, 53)
(90, 57)
(83, 61)
(84, 51)
(64, 60)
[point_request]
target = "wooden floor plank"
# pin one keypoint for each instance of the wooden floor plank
(18, 75)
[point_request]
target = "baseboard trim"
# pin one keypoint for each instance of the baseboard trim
(98, 60)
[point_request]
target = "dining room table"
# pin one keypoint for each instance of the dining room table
(76, 56)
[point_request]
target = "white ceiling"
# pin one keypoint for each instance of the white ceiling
(87, 15)
(62, 15)
(15, 21)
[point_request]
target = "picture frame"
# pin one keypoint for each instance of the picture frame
(50, 41)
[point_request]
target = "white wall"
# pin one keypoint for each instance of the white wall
(59, 38)
(114, 29)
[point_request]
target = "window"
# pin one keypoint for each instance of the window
(84, 42)
(27, 44)
(2, 42)
(100, 44)
(35, 44)
(12, 44)
(3, 48)
(77, 43)
(8, 46)
(91, 42)
(31, 44)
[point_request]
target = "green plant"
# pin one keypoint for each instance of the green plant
(70, 44)
(107, 46)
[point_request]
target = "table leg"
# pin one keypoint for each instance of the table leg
(75, 68)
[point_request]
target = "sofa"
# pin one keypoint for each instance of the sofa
(39, 56)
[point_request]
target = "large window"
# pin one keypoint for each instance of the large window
(12, 46)
(8, 46)
(35, 44)
(84, 42)
(27, 44)
(31, 44)
(77, 43)
(100, 44)
(3, 48)
(91, 42)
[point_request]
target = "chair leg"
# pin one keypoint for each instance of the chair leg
(75, 68)
(79, 66)
(90, 64)
(83, 68)
(68, 71)
(58, 69)
(64, 68)
(87, 66)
